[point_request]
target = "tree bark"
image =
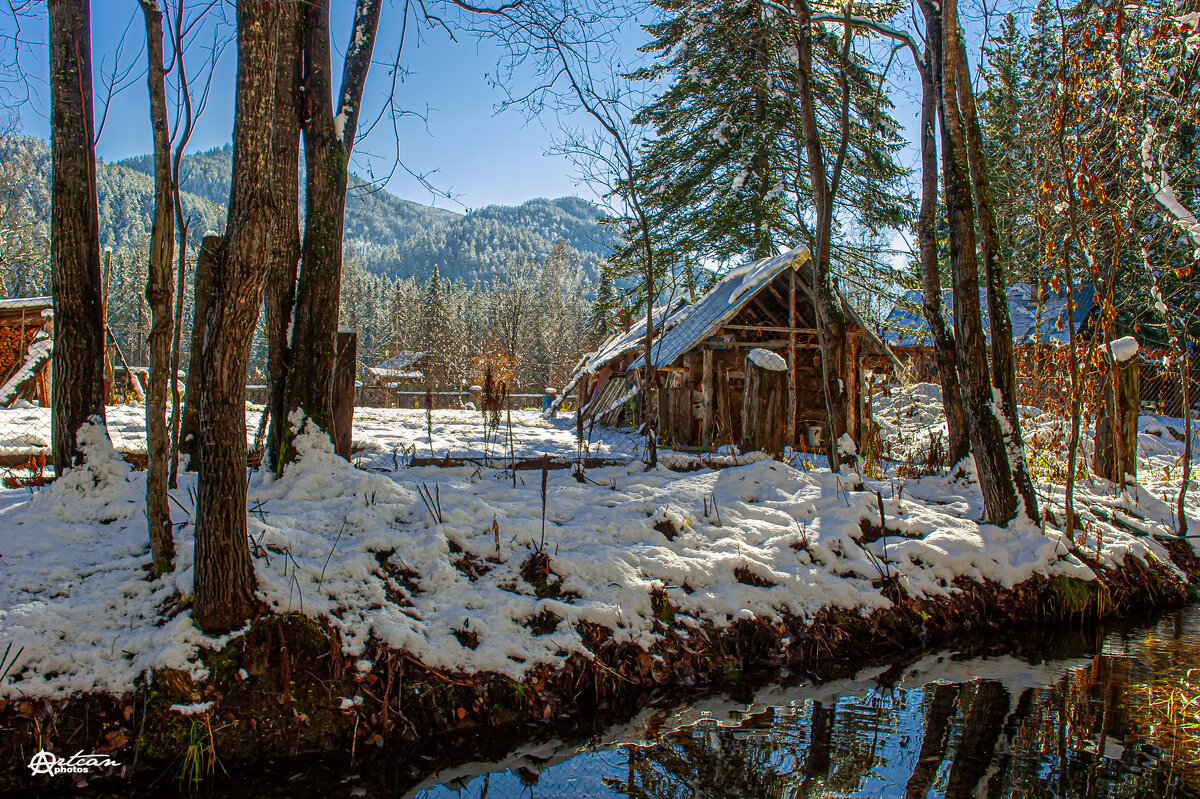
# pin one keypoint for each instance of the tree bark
(206, 265)
(831, 319)
(1114, 454)
(1004, 364)
(343, 394)
(280, 297)
(935, 313)
(328, 141)
(982, 416)
(77, 363)
(224, 579)
(159, 285)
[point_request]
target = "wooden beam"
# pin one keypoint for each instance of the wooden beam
(777, 343)
(762, 308)
(706, 393)
(791, 380)
(808, 331)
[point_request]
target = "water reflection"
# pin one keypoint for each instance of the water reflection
(994, 727)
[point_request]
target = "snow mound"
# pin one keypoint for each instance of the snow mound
(765, 359)
(1124, 349)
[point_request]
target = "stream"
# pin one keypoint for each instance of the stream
(1106, 712)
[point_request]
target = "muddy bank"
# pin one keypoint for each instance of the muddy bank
(286, 688)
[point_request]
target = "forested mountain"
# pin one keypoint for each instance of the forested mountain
(404, 239)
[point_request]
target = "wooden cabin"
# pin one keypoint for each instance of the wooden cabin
(700, 356)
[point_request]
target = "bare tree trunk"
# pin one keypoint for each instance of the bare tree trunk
(1004, 364)
(935, 312)
(77, 363)
(177, 342)
(285, 256)
(983, 418)
(831, 318)
(328, 141)
(159, 292)
(206, 265)
(1185, 362)
(224, 578)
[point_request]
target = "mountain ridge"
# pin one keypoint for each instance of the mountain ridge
(402, 238)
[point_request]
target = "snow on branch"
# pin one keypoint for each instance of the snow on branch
(1164, 192)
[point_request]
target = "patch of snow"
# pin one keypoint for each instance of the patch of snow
(765, 359)
(1124, 349)
(194, 709)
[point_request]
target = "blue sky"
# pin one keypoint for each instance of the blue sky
(455, 134)
(480, 156)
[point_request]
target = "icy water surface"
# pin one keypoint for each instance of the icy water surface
(1090, 725)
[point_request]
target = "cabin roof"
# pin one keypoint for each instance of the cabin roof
(720, 304)
(905, 325)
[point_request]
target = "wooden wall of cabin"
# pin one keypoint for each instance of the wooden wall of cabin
(680, 394)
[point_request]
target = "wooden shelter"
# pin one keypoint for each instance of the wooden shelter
(700, 356)
(405, 368)
(1038, 315)
(25, 348)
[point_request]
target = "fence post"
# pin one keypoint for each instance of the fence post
(343, 391)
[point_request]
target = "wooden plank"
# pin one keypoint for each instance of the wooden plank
(706, 392)
(791, 380)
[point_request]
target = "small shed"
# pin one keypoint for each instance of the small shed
(700, 354)
(403, 368)
(26, 324)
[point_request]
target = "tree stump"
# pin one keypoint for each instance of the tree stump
(764, 402)
(1115, 451)
(343, 391)
(675, 409)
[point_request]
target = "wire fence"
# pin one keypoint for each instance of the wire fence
(399, 428)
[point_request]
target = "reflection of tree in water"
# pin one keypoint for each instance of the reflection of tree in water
(1074, 739)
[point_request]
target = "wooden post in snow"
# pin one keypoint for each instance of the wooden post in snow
(1115, 452)
(791, 360)
(343, 391)
(706, 395)
(764, 402)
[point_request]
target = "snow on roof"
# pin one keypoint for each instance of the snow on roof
(721, 303)
(396, 374)
(400, 361)
(906, 327)
(27, 302)
(665, 316)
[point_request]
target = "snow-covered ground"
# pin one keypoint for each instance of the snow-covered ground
(384, 438)
(912, 415)
(360, 548)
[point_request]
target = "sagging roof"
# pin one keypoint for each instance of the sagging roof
(905, 326)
